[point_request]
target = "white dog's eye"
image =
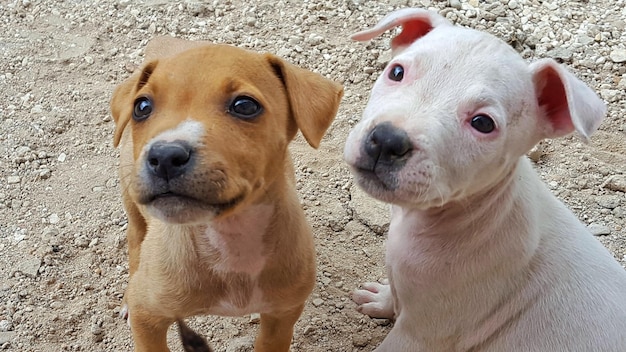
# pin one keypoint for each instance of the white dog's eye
(396, 73)
(143, 108)
(245, 108)
(483, 123)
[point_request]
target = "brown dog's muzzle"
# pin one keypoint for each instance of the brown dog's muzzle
(176, 182)
(168, 160)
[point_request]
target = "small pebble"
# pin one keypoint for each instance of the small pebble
(53, 218)
(360, 339)
(13, 180)
(599, 230)
(609, 201)
(255, 318)
(616, 183)
(618, 55)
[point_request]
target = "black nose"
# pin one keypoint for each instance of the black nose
(388, 145)
(168, 160)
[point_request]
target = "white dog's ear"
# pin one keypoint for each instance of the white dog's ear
(415, 23)
(566, 102)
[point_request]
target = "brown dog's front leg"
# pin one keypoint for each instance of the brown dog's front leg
(134, 234)
(277, 330)
(149, 332)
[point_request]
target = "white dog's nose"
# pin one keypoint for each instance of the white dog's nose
(387, 145)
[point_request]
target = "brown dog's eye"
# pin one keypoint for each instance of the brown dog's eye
(396, 73)
(245, 108)
(483, 123)
(143, 108)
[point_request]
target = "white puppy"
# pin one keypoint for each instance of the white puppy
(480, 255)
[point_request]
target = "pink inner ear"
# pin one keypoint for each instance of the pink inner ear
(553, 100)
(411, 31)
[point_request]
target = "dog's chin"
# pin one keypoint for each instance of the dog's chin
(394, 193)
(383, 189)
(180, 209)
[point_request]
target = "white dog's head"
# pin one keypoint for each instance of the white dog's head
(454, 110)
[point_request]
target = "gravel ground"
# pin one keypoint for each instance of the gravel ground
(62, 248)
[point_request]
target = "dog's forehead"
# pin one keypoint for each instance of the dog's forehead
(210, 64)
(464, 49)
(212, 74)
(459, 58)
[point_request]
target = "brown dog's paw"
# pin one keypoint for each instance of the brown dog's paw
(192, 342)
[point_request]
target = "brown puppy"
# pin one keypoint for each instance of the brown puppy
(214, 222)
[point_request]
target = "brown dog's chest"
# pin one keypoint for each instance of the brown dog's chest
(215, 267)
(239, 242)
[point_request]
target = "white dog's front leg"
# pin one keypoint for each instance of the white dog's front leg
(375, 299)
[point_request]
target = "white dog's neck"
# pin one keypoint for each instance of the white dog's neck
(486, 230)
(473, 253)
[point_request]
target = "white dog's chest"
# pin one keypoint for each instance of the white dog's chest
(404, 250)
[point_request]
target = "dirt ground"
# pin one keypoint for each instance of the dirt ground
(63, 259)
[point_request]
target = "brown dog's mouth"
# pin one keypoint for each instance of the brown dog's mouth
(172, 202)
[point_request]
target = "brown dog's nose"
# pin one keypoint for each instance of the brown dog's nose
(168, 160)
(387, 145)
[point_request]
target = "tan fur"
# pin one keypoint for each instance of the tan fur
(184, 263)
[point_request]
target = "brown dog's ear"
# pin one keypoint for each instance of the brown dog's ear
(121, 101)
(313, 99)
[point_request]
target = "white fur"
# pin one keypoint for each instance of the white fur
(189, 130)
(239, 241)
(480, 255)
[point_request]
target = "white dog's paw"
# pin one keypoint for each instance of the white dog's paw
(125, 313)
(375, 300)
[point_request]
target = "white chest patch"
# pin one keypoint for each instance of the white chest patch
(226, 308)
(239, 241)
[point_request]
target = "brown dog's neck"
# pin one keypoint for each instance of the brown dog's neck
(240, 239)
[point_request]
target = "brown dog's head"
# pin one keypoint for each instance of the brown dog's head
(210, 127)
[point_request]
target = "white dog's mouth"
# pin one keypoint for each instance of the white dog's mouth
(394, 168)
(375, 179)
(386, 188)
